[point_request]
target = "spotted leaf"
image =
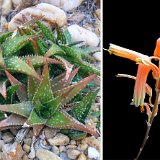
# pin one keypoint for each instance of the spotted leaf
(81, 111)
(61, 38)
(72, 90)
(16, 64)
(60, 81)
(38, 61)
(5, 35)
(47, 33)
(42, 46)
(43, 92)
(23, 109)
(64, 96)
(67, 36)
(63, 120)
(34, 119)
(55, 49)
(11, 46)
(1, 59)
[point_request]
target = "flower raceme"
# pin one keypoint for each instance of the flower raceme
(144, 67)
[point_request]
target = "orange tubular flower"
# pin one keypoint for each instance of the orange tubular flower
(157, 48)
(140, 85)
(144, 67)
(126, 53)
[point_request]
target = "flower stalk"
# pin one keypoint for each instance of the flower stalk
(149, 123)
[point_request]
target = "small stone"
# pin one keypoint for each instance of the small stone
(64, 156)
(59, 139)
(25, 157)
(73, 153)
(66, 5)
(1, 144)
(77, 17)
(71, 146)
(32, 154)
(30, 134)
(7, 137)
(43, 154)
(28, 141)
(0, 135)
(83, 147)
(73, 142)
(91, 141)
(26, 148)
(50, 132)
(62, 148)
(44, 142)
(12, 151)
(82, 157)
(1, 156)
(55, 150)
(81, 34)
(97, 56)
(98, 13)
(98, 99)
(14, 131)
(93, 153)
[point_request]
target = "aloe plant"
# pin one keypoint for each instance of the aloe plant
(36, 81)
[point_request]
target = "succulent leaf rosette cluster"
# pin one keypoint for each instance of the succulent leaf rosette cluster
(41, 75)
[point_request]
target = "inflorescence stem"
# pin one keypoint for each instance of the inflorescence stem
(149, 124)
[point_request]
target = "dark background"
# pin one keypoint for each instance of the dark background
(135, 26)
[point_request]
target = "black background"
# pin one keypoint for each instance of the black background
(134, 25)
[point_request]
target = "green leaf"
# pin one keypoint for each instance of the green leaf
(1, 59)
(85, 52)
(81, 111)
(71, 91)
(16, 64)
(11, 90)
(76, 135)
(75, 57)
(61, 38)
(11, 46)
(42, 46)
(34, 119)
(2, 116)
(87, 68)
(5, 35)
(38, 61)
(47, 33)
(61, 81)
(96, 114)
(22, 91)
(63, 120)
(43, 92)
(32, 85)
(55, 49)
(72, 52)
(67, 36)
(24, 109)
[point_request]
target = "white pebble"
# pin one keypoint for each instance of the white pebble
(81, 34)
(64, 4)
(97, 56)
(93, 153)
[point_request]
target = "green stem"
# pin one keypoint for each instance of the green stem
(149, 124)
